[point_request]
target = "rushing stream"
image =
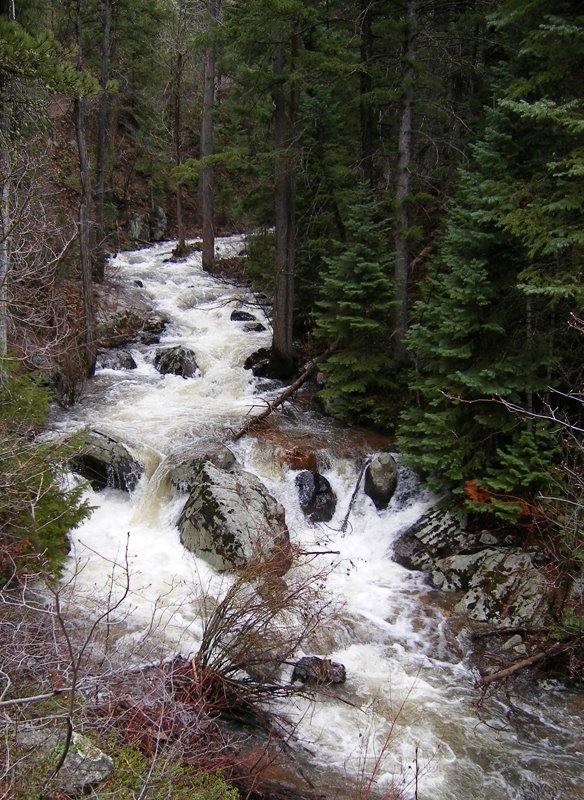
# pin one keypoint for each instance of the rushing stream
(413, 713)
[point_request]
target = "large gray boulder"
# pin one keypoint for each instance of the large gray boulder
(106, 462)
(116, 359)
(139, 228)
(158, 223)
(436, 535)
(232, 522)
(176, 361)
(506, 590)
(381, 480)
(317, 499)
(185, 464)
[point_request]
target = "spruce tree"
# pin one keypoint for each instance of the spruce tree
(493, 319)
(354, 313)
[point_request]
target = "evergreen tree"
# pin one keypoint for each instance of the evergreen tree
(354, 313)
(493, 320)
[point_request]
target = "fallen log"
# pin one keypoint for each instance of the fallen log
(285, 395)
(554, 650)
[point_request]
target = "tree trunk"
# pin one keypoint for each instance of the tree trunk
(6, 9)
(281, 360)
(366, 116)
(177, 136)
(102, 131)
(85, 217)
(403, 183)
(207, 177)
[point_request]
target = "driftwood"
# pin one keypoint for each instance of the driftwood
(554, 650)
(354, 495)
(285, 395)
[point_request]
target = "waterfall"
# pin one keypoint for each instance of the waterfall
(409, 709)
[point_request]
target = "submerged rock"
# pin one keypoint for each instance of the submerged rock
(317, 499)
(381, 480)
(315, 670)
(176, 361)
(232, 522)
(105, 462)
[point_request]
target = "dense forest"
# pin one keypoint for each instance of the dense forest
(410, 178)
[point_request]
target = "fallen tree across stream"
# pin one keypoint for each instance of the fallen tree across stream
(285, 395)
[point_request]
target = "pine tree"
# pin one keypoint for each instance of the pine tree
(354, 313)
(493, 320)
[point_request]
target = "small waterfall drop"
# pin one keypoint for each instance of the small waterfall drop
(408, 711)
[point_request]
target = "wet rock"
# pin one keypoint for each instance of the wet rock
(436, 535)
(176, 361)
(315, 670)
(317, 499)
(116, 359)
(254, 327)
(258, 362)
(453, 573)
(506, 590)
(242, 316)
(381, 480)
(232, 522)
(105, 462)
(152, 329)
(139, 284)
(188, 461)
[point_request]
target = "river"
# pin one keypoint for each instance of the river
(413, 716)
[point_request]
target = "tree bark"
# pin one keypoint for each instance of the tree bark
(207, 176)
(403, 183)
(85, 216)
(5, 222)
(177, 137)
(365, 111)
(102, 132)
(6, 9)
(282, 359)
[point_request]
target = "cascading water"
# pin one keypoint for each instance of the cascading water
(408, 711)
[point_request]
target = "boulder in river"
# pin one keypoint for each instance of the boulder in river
(176, 361)
(232, 522)
(437, 534)
(506, 590)
(242, 316)
(105, 462)
(315, 670)
(258, 362)
(116, 359)
(187, 462)
(381, 480)
(317, 499)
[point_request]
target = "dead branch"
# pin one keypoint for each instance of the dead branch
(554, 650)
(285, 395)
